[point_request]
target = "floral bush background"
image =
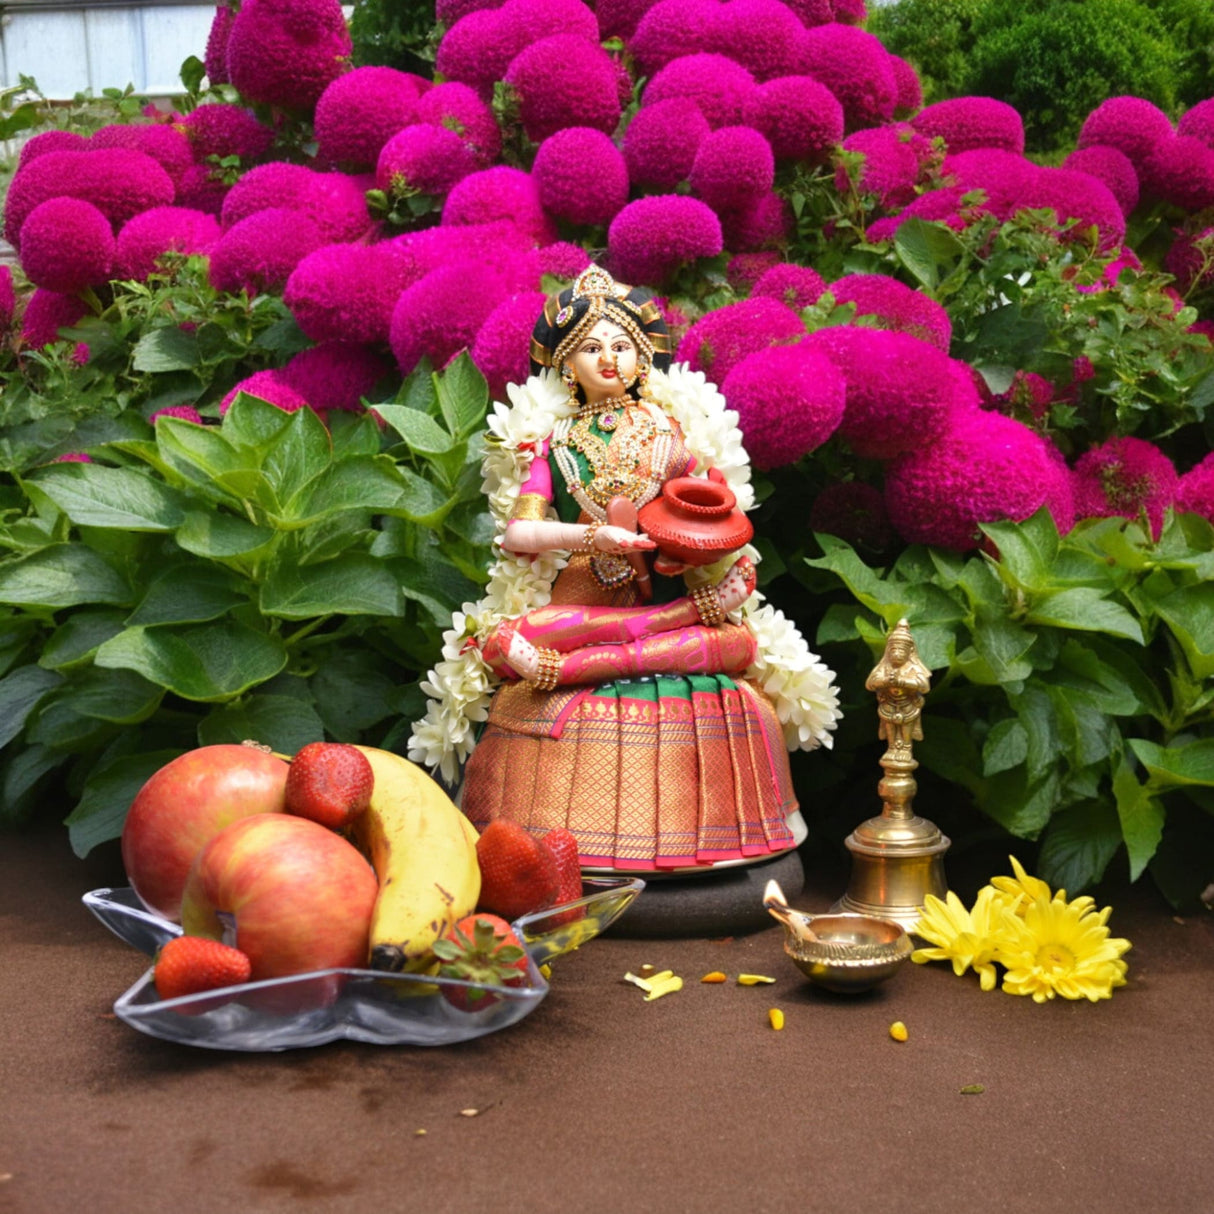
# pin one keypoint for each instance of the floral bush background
(967, 337)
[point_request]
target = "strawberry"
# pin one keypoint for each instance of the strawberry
(518, 874)
(189, 964)
(480, 948)
(562, 844)
(330, 783)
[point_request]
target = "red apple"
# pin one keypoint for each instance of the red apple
(183, 805)
(300, 895)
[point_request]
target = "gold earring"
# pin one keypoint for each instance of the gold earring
(569, 378)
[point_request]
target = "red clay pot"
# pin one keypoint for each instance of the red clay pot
(695, 521)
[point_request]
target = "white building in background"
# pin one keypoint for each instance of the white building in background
(69, 46)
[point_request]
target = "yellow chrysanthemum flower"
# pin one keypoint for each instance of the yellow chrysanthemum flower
(1015, 893)
(1060, 948)
(966, 938)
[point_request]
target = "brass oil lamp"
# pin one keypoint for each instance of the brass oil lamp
(897, 857)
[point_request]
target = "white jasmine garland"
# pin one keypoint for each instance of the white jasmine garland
(461, 685)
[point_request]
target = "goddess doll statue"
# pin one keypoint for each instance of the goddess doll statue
(642, 704)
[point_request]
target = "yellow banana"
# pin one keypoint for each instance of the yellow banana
(423, 851)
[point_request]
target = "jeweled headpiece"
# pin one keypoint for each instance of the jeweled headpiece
(595, 295)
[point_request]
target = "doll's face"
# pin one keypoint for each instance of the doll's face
(605, 361)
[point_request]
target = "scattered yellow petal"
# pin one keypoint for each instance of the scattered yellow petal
(469, 1112)
(776, 1017)
(972, 1089)
(418, 1133)
(715, 976)
(754, 979)
(546, 971)
(897, 1031)
(665, 983)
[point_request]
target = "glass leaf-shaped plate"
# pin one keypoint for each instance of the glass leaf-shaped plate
(356, 1004)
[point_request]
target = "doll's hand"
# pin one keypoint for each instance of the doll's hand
(619, 539)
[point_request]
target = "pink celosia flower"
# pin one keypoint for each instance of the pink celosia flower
(359, 112)
(894, 305)
(66, 245)
(854, 65)
(661, 141)
(765, 223)
(794, 285)
(499, 246)
(733, 168)
(972, 122)
(801, 118)
(448, 12)
(851, 12)
(275, 184)
(215, 58)
(939, 206)
(1124, 477)
(1111, 166)
(895, 161)
(347, 291)
(1195, 490)
(73, 457)
(813, 12)
(1181, 171)
(1077, 196)
(1125, 259)
(202, 188)
(500, 348)
(720, 339)
(81, 354)
(424, 158)
(1198, 122)
(910, 91)
(1028, 392)
(652, 237)
(619, 18)
(581, 176)
(1185, 263)
(1005, 178)
(564, 81)
(855, 512)
(145, 239)
(719, 86)
(334, 202)
(8, 299)
(764, 36)
(1130, 124)
(901, 391)
(221, 129)
(563, 260)
(500, 193)
(51, 141)
(744, 270)
(119, 182)
(46, 313)
(269, 386)
(441, 315)
(983, 468)
(165, 144)
(1205, 328)
(335, 375)
(185, 413)
(259, 252)
(458, 108)
(671, 29)
(789, 401)
(287, 52)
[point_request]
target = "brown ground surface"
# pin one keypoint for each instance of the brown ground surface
(601, 1102)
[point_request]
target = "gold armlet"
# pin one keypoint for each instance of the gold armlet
(588, 537)
(548, 676)
(708, 604)
(530, 508)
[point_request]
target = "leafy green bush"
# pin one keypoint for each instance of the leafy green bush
(394, 33)
(1190, 23)
(267, 578)
(935, 36)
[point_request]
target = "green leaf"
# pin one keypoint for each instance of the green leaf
(1142, 818)
(421, 502)
(1173, 765)
(220, 536)
(121, 696)
(1077, 846)
(354, 584)
(300, 453)
(410, 576)
(108, 793)
(1089, 736)
(353, 692)
(188, 594)
(22, 777)
(20, 692)
(1088, 675)
(463, 395)
(1086, 610)
(96, 496)
(1036, 712)
(1003, 645)
(253, 425)
(283, 722)
(1006, 746)
(1027, 550)
(928, 250)
(419, 430)
(359, 483)
(191, 74)
(1189, 613)
(61, 575)
(166, 349)
(205, 662)
(77, 638)
(948, 749)
(354, 434)
(1021, 806)
(199, 453)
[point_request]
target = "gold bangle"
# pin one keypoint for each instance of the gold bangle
(530, 508)
(588, 536)
(708, 605)
(548, 676)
